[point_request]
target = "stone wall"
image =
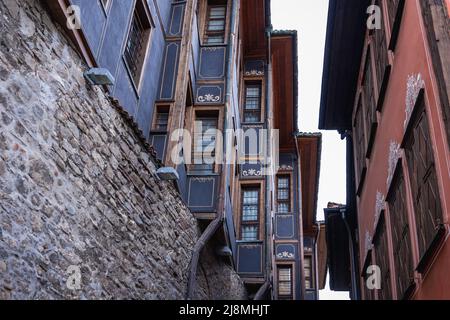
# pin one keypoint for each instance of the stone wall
(78, 189)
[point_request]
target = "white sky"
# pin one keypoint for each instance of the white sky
(309, 18)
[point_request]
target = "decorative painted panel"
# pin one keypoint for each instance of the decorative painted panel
(251, 170)
(212, 63)
(175, 27)
(308, 244)
(284, 226)
(285, 252)
(210, 94)
(250, 259)
(254, 68)
(202, 193)
(169, 71)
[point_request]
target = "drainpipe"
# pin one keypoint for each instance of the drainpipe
(316, 259)
(268, 212)
(300, 210)
(218, 221)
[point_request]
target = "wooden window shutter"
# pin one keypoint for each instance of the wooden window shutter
(360, 143)
(381, 60)
(422, 171)
(382, 259)
(395, 13)
(369, 103)
(401, 239)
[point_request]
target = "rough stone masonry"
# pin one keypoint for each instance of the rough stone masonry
(78, 190)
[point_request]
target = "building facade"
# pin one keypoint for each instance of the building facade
(393, 110)
(184, 72)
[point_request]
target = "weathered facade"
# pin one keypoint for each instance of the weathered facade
(79, 162)
(394, 113)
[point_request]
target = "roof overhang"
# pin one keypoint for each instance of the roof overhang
(310, 149)
(255, 22)
(285, 86)
(343, 50)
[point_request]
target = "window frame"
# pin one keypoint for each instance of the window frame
(290, 198)
(244, 223)
(312, 268)
(207, 9)
(204, 114)
(141, 10)
(291, 267)
(247, 85)
(157, 111)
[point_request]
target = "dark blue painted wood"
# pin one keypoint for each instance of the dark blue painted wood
(182, 181)
(251, 170)
(212, 63)
(202, 193)
(169, 70)
(254, 68)
(150, 81)
(286, 251)
(210, 94)
(250, 259)
(93, 20)
(125, 91)
(284, 226)
(159, 142)
(175, 25)
(164, 8)
(116, 31)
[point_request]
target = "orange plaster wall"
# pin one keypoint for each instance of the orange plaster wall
(411, 57)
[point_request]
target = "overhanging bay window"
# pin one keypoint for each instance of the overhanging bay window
(252, 104)
(215, 22)
(285, 287)
(283, 194)
(137, 41)
(250, 214)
